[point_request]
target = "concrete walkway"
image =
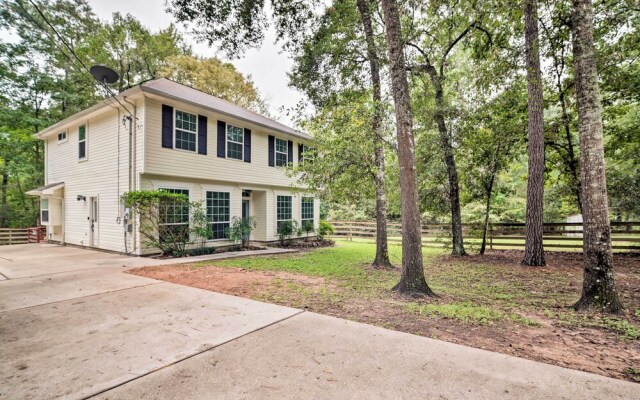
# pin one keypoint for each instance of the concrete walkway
(81, 328)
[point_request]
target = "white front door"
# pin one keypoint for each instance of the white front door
(93, 221)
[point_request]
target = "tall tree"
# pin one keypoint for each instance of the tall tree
(412, 280)
(382, 252)
(598, 290)
(435, 37)
(215, 77)
(534, 250)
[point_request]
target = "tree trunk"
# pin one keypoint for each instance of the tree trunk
(452, 171)
(598, 290)
(382, 252)
(412, 280)
(572, 161)
(534, 250)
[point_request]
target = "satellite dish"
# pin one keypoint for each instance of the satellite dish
(104, 74)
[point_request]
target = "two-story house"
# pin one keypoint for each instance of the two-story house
(181, 140)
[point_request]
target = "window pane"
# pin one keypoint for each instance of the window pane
(174, 218)
(45, 216)
(283, 208)
(282, 146)
(82, 149)
(235, 134)
(185, 140)
(234, 150)
(82, 132)
(185, 121)
(218, 213)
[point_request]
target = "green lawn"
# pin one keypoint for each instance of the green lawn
(487, 301)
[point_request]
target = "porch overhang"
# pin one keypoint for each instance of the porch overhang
(47, 190)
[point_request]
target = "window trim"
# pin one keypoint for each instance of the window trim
(313, 211)
(66, 137)
(206, 192)
(85, 141)
(276, 152)
(291, 212)
(226, 143)
(188, 223)
(175, 129)
(47, 209)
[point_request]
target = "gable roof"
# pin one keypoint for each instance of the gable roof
(177, 91)
(167, 88)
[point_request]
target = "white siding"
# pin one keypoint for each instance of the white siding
(172, 162)
(97, 176)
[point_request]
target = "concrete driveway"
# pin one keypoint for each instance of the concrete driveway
(73, 325)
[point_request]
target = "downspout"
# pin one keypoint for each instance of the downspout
(132, 186)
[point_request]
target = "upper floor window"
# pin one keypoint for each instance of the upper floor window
(282, 153)
(82, 142)
(62, 137)
(186, 131)
(307, 154)
(235, 142)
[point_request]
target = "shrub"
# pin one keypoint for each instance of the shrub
(307, 229)
(157, 210)
(325, 229)
(240, 230)
(287, 230)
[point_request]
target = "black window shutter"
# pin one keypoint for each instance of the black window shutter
(167, 126)
(247, 145)
(222, 138)
(272, 151)
(202, 134)
(300, 151)
(290, 156)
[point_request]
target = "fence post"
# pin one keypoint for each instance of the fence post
(490, 236)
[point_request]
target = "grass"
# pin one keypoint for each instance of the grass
(489, 302)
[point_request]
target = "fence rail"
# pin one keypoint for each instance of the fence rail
(625, 236)
(9, 236)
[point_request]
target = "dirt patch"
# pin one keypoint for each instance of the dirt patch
(489, 302)
(234, 281)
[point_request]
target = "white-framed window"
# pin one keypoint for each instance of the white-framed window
(284, 214)
(186, 131)
(282, 152)
(219, 214)
(82, 142)
(307, 154)
(174, 217)
(306, 207)
(235, 142)
(44, 210)
(62, 137)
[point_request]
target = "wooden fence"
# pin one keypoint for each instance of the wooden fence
(10, 236)
(557, 236)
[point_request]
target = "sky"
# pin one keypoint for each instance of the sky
(267, 66)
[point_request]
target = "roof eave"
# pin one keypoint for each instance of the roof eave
(161, 93)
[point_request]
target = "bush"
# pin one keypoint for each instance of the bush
(307, 229)
(287, 230)
(240, 230)
(325, 229)
(157, 210)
